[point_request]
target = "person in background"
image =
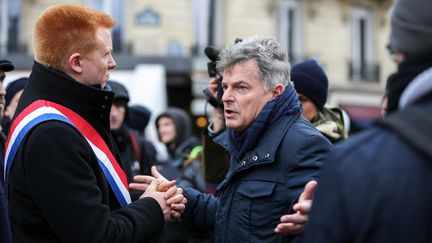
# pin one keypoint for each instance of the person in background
(63, 172)
(5, 236)
(133, 152)
(174, 128)
(138, 117)
(13, 93)
(311, 84)
(376, 186)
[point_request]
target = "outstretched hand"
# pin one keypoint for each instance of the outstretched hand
(296, 222)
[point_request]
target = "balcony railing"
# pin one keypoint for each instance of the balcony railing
(366, 72)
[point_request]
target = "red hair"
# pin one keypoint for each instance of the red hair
(62, 30)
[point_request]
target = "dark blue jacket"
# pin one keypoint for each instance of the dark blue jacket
(263, 185)
(373, 188)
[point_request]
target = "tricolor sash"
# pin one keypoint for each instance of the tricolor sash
(43, 110)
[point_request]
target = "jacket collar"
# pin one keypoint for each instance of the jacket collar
(93, 104)
(265, 150)
(263, 153)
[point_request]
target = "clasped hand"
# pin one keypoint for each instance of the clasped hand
(169, 197)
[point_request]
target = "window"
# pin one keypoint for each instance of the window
(207, 24)
(115, 9)
(290, 20)
(362, 65)
(10, 26)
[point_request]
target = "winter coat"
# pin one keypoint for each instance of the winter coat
(5, 236)
(331, 124)
(57, 191)
(263, 185)
(376, 187)
(137, 154)
(184, 162)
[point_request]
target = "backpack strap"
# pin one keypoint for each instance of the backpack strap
(135, 146)
(413, 124)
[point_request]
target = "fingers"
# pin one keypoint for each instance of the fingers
(303, 207)
(178, 207)
(143, 179)
(289, 228)
(172, 192)
(141, 182)
(175, 199)
(156, 173)
(296, 218)
(305, 201)
(308, 191)
(175, 215)
(165, 185)
(291, 224)
(212, 86)
(138, 186)
(153, 186)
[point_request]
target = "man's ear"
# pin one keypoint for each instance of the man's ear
(74, 63)
(278, 90)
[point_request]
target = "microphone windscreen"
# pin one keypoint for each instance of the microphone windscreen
(212, 53)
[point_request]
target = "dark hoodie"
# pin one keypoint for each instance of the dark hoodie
(182, 165)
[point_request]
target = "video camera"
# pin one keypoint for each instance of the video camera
(213, 54)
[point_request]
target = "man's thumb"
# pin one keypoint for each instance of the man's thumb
(309, 191)
(155, 173)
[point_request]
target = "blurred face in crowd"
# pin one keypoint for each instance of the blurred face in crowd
(166, 130)
(310, 111)
(10, 109)
(117, 115)
(244, 94)
(2, 76)
(97, 64)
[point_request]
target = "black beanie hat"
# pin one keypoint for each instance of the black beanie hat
(411, 27)
(311, 81)
(120, 91)
(138, 117)
(6, 65)
(13, 88)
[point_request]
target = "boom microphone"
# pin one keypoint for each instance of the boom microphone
(212, 53)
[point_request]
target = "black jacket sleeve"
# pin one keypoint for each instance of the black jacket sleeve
(72, 194)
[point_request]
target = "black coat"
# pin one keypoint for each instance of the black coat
(57, 191)
(374, 188)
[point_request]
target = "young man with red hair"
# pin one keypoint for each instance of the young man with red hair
(63, 172)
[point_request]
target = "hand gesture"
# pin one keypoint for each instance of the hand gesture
(174, 195)
(295, 223)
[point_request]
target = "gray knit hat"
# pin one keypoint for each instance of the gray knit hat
(411, 27)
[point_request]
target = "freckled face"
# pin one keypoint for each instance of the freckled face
(98, 63)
